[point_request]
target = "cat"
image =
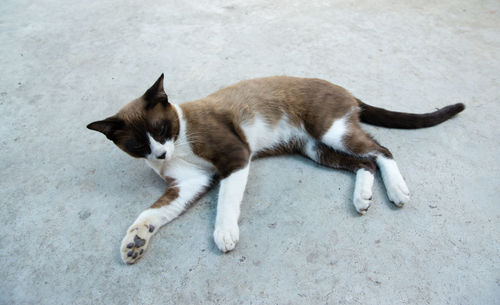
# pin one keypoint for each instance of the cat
(199, 143)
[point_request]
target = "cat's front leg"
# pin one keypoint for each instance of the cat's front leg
(227, 233)
(179, 194)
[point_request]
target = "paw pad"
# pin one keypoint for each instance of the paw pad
(135, 242)
(139, 242)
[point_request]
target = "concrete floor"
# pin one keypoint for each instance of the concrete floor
(68, 195)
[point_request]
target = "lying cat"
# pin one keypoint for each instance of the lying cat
(198, 143)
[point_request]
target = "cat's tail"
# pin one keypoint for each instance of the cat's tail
(392, 119)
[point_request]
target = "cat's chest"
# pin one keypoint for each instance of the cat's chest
(183, 160)
(184, 153)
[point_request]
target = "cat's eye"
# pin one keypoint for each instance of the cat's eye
(163, 129)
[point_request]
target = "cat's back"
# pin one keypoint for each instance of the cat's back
(299, 101)
(274, 88)
(274, 97)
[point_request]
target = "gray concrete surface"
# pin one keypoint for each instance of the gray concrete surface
(68, 195)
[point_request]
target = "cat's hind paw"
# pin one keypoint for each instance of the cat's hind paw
(226, 237)
(362, 202)
(135, 242)
(363, 191)
(398, 193)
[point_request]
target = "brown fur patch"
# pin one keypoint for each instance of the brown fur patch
(216, 137)
(295, 146)
(359, 142)
(170, 194)
(339, 160)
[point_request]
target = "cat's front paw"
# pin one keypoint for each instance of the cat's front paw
(136, 241)
(398, 193)
(226, 237)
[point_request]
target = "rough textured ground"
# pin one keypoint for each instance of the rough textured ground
(67, 195)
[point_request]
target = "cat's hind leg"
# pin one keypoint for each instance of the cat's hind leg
(351, 139)
(396, 187)
(363, 167)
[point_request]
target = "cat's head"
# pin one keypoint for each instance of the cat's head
(146, 127)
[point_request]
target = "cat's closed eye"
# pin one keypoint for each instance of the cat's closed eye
(163, 129)
(136, 146)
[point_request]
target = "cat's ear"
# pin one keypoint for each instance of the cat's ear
(156, 94)
(108, 126)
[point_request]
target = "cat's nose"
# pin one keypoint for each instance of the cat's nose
(162, 156)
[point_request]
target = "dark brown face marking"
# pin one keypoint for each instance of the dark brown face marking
(150, 113)
(139, 242)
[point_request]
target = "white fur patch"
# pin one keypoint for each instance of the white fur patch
(226, 233)
(261, 135)
(158, 149)
(397, 191)
(333, 137)
(363, 190)
(310, 150)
